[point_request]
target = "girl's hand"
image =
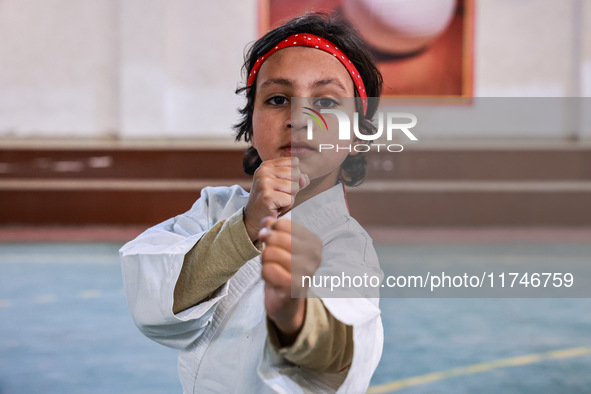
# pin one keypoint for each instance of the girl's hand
(274, 187)
(291, 251)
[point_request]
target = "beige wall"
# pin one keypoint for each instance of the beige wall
(58, 67)
(180, 64)
(125, 68)
(168, 68)
(524, 48)
(585, 113)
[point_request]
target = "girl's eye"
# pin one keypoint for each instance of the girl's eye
(277, 100)
(325, 102)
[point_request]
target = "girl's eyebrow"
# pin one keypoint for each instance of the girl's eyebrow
(317, 84)
(276, 81)
(329, 81)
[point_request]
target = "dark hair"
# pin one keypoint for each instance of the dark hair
(344, 36)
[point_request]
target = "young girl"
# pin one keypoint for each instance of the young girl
(216, 281)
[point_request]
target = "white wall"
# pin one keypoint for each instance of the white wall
(524, 48)
(180, 65)
(169, 68)
(585, 113)
(58, 67)
(129, 68)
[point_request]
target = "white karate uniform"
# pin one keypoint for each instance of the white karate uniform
(223, 341)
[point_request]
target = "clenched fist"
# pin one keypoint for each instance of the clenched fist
(291, 251)
(274, 187)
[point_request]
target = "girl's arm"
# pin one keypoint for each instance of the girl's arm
(303, 330)
(324, 344)
(151, 265)
(213, 261)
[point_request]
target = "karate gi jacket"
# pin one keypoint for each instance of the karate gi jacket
(223, 341)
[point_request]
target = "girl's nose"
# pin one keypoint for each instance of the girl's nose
(297, 120)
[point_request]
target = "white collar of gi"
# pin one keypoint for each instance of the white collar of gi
(323, 211)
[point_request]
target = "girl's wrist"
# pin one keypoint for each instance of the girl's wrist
(251, 230)
(288, 329)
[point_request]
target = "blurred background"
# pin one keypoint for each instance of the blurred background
(114, 114)
(118, 112)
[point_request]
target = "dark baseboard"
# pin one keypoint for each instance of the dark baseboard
(415, 188)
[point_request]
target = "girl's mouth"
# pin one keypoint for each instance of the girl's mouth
(299, 149)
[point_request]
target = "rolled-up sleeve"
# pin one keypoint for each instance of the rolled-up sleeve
(151, 265)
(324, 344)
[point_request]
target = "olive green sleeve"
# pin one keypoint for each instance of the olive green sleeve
(324, 344)
(216, 257)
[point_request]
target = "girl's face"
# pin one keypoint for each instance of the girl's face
(308, 73)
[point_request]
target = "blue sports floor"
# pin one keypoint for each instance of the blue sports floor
(65, 328)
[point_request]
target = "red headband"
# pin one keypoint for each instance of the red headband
(312, 41)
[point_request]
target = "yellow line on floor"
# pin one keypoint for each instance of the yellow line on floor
(476, 368)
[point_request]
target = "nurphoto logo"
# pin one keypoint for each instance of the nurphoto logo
(395, 122)
(318, 115)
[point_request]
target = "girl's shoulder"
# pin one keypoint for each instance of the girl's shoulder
(218, 202)
(223, 195)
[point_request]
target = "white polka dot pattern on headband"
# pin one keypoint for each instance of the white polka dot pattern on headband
(325, 45)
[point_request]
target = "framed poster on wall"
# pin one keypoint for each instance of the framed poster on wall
(423, 48)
